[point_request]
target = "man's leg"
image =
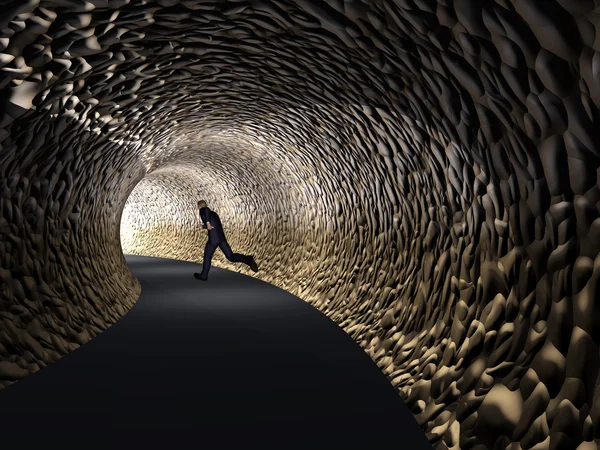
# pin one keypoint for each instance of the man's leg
(238, 257)
(209, 251)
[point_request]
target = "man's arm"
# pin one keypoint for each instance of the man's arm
(208, 224)
(205, 216)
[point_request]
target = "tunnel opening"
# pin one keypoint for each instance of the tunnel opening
(161, 201)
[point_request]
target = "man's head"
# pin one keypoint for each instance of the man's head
(202, 204)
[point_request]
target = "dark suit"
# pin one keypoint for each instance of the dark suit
(216, 238)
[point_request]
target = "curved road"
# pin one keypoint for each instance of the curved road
(231, 363)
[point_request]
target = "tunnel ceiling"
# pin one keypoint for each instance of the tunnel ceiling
(423, 172)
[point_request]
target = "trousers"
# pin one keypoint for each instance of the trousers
(209, 251)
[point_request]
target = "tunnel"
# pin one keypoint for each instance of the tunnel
(424, 173)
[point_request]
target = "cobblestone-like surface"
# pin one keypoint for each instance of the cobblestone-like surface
(424, 172)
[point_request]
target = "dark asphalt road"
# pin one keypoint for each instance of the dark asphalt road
(231, 363)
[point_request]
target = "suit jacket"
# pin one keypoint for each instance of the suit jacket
(216, 235)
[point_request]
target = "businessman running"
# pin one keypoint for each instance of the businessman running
(216, 238)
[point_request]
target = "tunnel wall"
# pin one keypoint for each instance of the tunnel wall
(425, 173)
(63, 275)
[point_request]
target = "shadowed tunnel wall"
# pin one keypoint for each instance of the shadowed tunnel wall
(423, 172)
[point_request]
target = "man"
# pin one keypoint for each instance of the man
(216, 238)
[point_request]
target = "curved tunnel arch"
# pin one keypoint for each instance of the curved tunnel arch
(425, 173)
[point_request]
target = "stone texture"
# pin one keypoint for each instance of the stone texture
(423, 172)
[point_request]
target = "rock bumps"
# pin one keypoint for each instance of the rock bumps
(423, 172)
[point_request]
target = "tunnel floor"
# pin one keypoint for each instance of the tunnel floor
(231, 363)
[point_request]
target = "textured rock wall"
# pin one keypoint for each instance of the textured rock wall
(424, 172)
